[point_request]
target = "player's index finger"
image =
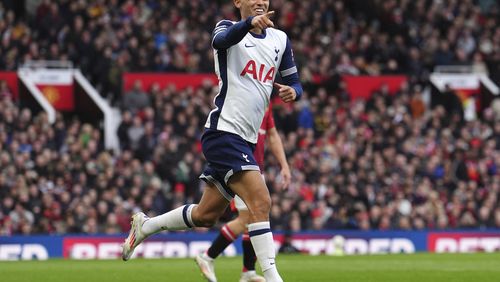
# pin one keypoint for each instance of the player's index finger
(270, 14)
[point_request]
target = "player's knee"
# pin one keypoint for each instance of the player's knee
(261, 207)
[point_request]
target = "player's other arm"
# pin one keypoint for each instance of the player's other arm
(227, 34)
(275, 145)
(291, 90)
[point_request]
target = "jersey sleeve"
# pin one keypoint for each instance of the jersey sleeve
(287, 66)
(288, 70)
(227, 33)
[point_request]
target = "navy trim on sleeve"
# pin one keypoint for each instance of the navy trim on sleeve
(294, 82)
(288, 70)
(287, 62)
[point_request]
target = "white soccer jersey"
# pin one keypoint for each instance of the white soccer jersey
(246, 73)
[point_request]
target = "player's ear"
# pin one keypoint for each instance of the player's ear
(237, 3)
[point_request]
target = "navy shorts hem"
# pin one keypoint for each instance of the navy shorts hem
(227, 193)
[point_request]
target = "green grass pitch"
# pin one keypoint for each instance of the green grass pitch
(294, 268)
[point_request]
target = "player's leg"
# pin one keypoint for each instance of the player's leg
(248, 273)
(229, 232)
(226, 236)
(211, 206)
(250, 186)
(239, 225)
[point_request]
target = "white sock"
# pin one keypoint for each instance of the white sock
(177, 219)
(263, 244)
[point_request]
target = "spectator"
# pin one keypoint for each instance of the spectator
(286, 246)
(5, 92)
(136, 100)
(123, 129)
(452, 103)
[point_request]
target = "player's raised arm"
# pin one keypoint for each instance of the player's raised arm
(291, 90)
(227, 34)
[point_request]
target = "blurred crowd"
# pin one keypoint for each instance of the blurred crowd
(391, 162)
(105, 38)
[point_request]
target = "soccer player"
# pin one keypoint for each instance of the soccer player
(248, 54)
(234, 228)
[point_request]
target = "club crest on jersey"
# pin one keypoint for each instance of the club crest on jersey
(259, 74)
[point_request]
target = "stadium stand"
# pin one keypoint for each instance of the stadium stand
(390, 162)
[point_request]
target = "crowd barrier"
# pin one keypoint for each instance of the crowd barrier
(358, 87)
(188, 244)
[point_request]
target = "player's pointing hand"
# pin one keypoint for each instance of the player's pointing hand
(263, 21)
(286, 93)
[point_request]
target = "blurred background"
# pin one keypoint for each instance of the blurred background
(102, 104)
